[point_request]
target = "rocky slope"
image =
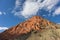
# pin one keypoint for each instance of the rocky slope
(31, 29)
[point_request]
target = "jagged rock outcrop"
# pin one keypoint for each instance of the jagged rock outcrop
(23, 30)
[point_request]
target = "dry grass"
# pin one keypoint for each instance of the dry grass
(49, 34)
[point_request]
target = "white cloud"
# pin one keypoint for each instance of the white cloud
(58, 23)
(57, 11)
(3, 28)
(17, 3)
(31, 7)
(2, 13)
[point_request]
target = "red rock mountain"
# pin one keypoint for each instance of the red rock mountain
(36, 23)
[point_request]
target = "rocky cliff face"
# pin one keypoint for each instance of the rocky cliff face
(23, 30)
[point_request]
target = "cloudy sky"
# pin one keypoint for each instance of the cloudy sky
(13, 12)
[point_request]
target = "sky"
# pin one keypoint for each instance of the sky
(13, 12)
